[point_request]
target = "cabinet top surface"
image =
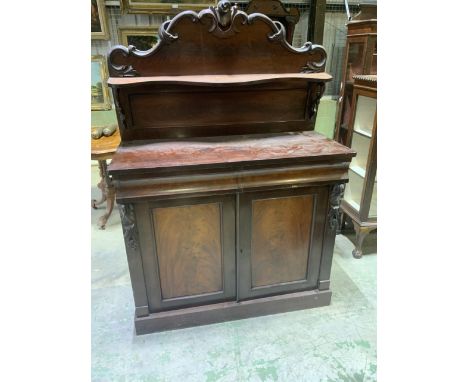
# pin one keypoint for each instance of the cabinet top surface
(227, 151)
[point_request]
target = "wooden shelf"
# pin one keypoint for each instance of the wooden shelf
(218, 79)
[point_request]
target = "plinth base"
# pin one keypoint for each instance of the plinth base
(228, 311)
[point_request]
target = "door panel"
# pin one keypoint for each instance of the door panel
(188, 239)
(189, 251)
(280, 240)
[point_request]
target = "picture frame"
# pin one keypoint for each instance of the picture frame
(161, 7)
(100, 97)
(143, 38)
(99, 30)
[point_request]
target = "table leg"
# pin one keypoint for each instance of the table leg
(101, 185)
(108, 194)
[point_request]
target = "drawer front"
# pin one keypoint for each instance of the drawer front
(280, 240)
(188, 251)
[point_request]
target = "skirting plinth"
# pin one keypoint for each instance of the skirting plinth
(227, 311)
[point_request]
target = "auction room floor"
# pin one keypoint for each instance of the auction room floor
(333, 343)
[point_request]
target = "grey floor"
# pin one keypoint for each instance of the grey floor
(333, 343)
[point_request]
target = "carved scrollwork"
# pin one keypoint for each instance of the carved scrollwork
(127, 215)
(223, 21)
(122, 70)
(335, 198)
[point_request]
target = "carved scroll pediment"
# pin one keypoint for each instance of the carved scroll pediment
(223, 22)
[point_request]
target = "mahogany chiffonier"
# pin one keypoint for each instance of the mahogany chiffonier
(229, 202)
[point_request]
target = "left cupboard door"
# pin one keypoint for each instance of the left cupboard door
(188, 251)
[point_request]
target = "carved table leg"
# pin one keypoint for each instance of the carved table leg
(101, 185)
(108, 191)
(110, 196)
(361, 233)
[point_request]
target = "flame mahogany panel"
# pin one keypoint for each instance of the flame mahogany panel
(188, 247)
(280, 239)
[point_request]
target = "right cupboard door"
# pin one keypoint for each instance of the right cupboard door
(280, 240)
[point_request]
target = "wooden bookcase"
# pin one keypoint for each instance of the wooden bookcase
(360, 197)
(360, 59)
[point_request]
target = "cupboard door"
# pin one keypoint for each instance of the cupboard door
(280, 241)
(188, 250)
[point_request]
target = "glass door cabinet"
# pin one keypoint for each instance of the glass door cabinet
(360, 196)
(360, 58)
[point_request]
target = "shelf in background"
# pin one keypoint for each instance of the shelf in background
(353, 204)
(358, 170)
(363, 133)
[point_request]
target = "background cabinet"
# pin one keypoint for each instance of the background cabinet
(360, 59)
(360, 197)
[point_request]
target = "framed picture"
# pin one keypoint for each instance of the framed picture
(143, 38)
(163, 6)
(99, 29)
(100, 99)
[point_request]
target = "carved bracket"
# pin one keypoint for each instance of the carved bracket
(127, 215)
(336, 195)
(315, 99)
(223, 21)
(120, 111)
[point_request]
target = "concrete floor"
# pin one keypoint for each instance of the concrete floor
(334, 343)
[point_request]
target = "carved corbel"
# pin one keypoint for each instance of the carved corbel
(127, 215)
(315, 99)
(120, 112)
(336, 194)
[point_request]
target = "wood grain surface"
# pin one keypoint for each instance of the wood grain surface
(161, 110)
(225, 150)
(193, 44)
(280, 239)
(188, 242)
(105, 147)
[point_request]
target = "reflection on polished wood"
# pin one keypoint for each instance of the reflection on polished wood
(280, 239)
(188, 246)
